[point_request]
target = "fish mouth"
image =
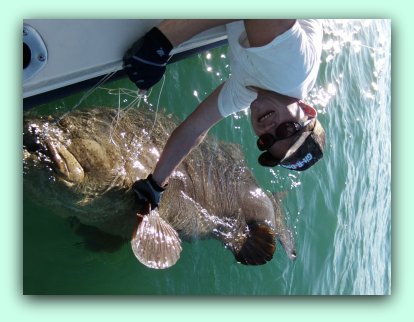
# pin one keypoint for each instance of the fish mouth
(64, 163)
(49, 150)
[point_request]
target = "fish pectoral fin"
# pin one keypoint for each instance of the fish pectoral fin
(259, 246)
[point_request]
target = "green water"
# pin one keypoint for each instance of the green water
(340, 210)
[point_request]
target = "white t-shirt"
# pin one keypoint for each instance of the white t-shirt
(288, 65)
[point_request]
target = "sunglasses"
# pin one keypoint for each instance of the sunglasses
(283, 131)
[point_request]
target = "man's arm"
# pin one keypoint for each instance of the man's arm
(188, 135)
(260, 32)
(178, 31)
(192, 131)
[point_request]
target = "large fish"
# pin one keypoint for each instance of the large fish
(83, 164)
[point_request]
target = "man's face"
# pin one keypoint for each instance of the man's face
(268, 111)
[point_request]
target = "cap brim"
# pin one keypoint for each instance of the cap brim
(295, 147)
(306, 151)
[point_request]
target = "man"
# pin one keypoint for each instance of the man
(274, 65)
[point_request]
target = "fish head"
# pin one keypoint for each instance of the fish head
(83, 164)
(50, 171)
(45, 148)
(69, 164)
(79, 150)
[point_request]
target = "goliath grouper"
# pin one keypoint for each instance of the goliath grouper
(83, 165)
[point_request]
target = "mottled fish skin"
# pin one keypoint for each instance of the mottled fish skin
(84, 163)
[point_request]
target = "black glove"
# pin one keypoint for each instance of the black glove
(148, 191)
(145, 62)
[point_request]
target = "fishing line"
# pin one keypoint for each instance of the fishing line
(158, 103)
(88, 93)
(93, 89)
(137, 96)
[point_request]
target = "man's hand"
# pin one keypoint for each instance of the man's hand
(148, 191)
(145, 62)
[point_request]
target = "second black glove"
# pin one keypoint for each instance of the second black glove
(148, 191)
